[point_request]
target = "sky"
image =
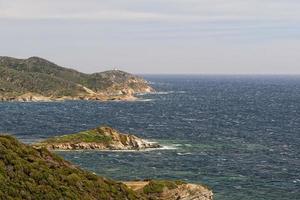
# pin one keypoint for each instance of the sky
(156, 36)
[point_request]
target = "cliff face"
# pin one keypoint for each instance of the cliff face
(101, 138)
(35, 79)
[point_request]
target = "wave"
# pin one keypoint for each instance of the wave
(167, 147)
(161, 93)
(144, 100)
(183, 154)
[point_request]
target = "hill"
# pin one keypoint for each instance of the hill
(39, 79)
(28, 173)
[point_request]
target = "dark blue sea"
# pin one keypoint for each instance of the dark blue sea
(240, 135)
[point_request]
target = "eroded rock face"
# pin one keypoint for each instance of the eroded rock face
(112, 140)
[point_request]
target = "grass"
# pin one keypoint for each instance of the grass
(157, 186)
(95, 135)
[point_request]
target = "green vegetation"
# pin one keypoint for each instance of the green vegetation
(28, 173)
(157, 186)
(94, 135)
(37, 75)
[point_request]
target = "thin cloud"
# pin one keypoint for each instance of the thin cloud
(180, 36)
(164, 11)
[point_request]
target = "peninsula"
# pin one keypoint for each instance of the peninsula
(37, 79)
(100, 138)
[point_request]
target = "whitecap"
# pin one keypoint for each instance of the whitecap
(169, 92)
(183, 154)
(161, 93)
(167, 147)
(144, 100)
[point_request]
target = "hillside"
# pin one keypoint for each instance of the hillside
(28, 173)
(38, 79)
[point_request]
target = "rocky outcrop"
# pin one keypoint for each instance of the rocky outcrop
(187, 192)
(171, 190)
(101, 138)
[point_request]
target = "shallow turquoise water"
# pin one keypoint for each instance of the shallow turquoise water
(238, 134)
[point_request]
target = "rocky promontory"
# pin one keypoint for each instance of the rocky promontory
(170, 190)
(37, 79)
(100, 138)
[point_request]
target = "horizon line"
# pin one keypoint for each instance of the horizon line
(221, 74)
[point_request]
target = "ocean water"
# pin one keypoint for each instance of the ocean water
(240, 135)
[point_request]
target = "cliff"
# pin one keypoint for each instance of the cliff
(37, 79)
(101, 138)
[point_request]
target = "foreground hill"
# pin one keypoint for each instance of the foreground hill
(27, 173)
(30, 173)
(100, 138)
(37, 79)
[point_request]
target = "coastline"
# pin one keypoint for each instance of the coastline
(29, 97)
(162, 148)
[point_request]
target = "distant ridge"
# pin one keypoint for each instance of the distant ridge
(37, 79)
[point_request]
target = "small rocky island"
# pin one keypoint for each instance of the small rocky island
(37, 79)
(100, 138)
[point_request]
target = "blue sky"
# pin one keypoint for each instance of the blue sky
(157, 36)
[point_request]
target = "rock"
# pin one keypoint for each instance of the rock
(171, 190)
(32, 97)
(188, 192)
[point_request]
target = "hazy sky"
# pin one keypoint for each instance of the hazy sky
(156, 36)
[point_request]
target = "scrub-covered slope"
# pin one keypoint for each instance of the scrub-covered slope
(37, 79)
(28, 173)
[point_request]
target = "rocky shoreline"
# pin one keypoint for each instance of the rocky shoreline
(32, 97)
(124, 94)
(101, 138)
(171, 190)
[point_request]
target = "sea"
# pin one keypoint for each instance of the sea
(237, 134)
